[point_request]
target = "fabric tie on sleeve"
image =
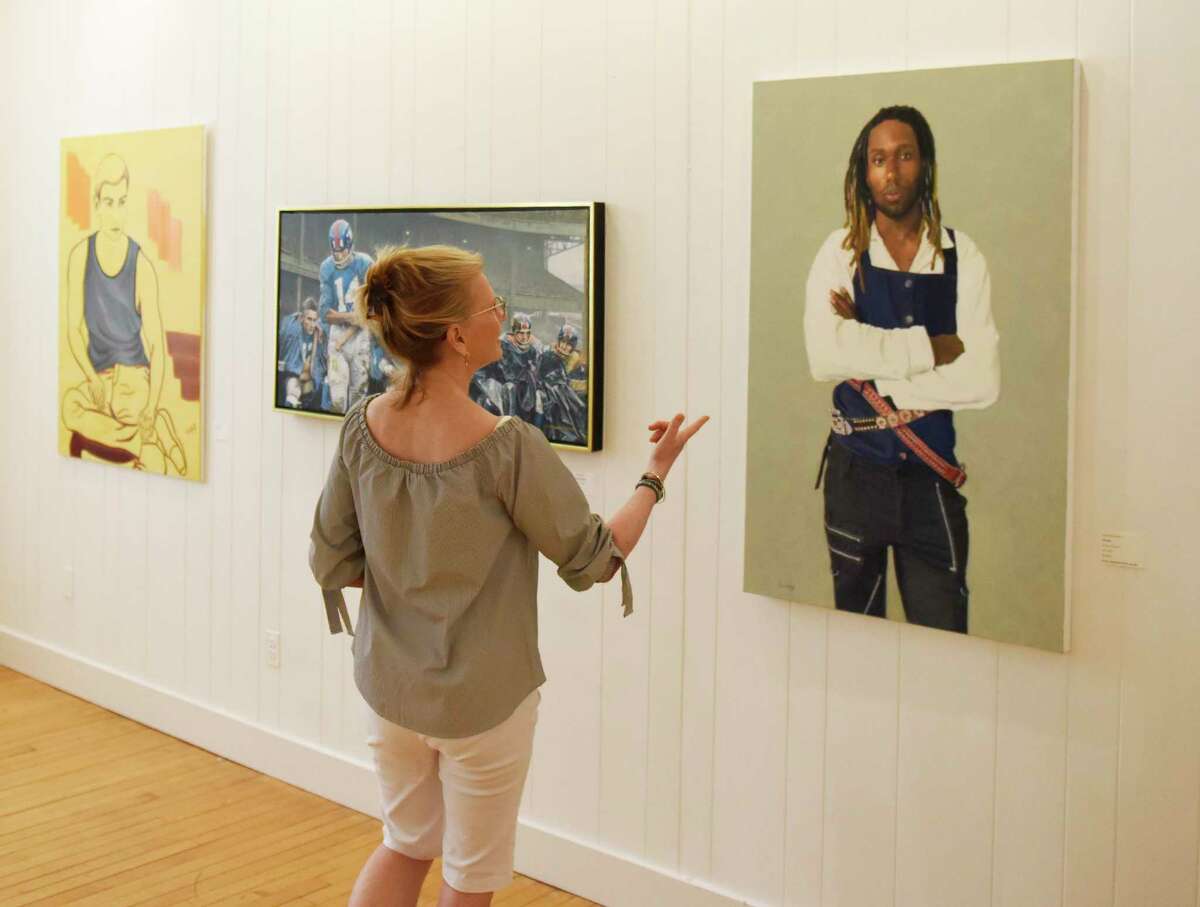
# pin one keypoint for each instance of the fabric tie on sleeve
(626, 591)
(336, 613)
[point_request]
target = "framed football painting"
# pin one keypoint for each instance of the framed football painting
(546, 262)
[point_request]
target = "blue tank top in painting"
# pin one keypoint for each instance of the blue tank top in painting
(110, 310)
(894, 300)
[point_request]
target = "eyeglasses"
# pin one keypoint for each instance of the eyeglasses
(499, 305)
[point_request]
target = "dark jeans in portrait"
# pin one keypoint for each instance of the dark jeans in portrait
(870, 507)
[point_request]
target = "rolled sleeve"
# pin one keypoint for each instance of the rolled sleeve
(336, 555)
(548, 506)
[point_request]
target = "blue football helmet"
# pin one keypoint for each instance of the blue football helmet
(341, 238)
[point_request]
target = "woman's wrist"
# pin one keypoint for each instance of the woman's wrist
(653, 481)
(659, 470)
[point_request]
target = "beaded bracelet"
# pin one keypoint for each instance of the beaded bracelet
(654, 482)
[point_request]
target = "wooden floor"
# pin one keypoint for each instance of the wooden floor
(98, 809)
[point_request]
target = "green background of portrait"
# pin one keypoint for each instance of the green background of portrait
(1005, 151)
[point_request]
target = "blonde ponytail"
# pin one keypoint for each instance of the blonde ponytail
(410, 297)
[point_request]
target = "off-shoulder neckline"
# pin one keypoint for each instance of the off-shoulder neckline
(359, 416)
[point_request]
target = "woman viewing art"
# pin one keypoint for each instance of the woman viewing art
(439, 509)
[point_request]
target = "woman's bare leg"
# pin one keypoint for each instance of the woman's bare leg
(389, 879)
(452, 897)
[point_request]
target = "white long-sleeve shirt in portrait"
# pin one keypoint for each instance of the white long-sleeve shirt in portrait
(900, 360)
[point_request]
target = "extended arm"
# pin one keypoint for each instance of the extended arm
(547, 504)
(628, 524)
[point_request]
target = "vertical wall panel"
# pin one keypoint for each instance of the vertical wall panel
(220, 336)
(250, 228)
(752, 632)
(10, 112)
(1100, 595)
(1031, 756)
(960, 34)
(703, 465)
(36, 579)
(570, 51)
(627, 150)
(401, 96)
(477, 106)
(860, 762)
(166, 528)
(815, 25)
(516, 101)
(42, 505)
(807, 748)
(440, 47)
(815, 29)
(1044, 31)
(259, 383)
(573, 96)
(668, 527)
(871, 36)
(39, 151)
(316, 47)
(201, 499)
(946, 769)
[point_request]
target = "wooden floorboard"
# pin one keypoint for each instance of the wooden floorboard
(96, 809)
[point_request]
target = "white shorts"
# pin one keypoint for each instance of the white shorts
(455, 798)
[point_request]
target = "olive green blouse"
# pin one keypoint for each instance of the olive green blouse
(446, 643)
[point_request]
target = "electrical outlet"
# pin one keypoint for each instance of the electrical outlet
(272, 648)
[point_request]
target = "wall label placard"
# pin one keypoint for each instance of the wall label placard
(1122, 549)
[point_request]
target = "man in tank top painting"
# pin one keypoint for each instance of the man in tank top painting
(115, 332)
(898, 314)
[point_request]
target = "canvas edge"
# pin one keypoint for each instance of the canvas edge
(1072, 357)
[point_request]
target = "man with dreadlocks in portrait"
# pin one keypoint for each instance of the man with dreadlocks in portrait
(898, 312)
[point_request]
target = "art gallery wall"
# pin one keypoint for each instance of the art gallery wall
(715, 741)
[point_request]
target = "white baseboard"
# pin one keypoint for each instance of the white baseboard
(580, 867)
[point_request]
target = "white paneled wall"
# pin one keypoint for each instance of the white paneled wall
(779, 754)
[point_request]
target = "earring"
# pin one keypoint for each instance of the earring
(467, 359)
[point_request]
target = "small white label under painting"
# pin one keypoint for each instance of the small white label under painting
(1122, 549)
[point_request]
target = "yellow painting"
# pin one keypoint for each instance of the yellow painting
(131, 301)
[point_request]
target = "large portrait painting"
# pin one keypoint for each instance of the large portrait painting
(131, 301)
(911, 308)
(544, 261)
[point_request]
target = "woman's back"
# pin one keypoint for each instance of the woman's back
(446, 640)
(426, 431)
